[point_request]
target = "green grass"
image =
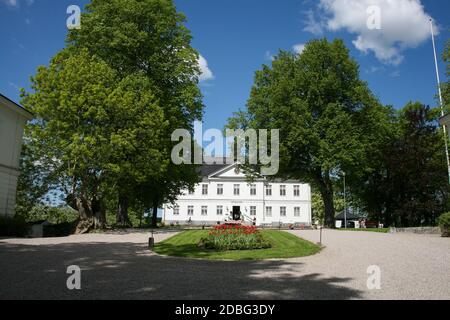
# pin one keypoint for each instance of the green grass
(284, 245)
(380, 230)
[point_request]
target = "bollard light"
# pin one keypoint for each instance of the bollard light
(151, 243)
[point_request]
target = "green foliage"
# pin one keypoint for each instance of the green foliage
(15, 226)
(327, 116)
(54, 215)
(37, 177)
(107, 104)
(408, 185)
(446, 85)
(444, 224)
(318, 207)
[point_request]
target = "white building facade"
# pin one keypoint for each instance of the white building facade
(226, 195)
(12, 121)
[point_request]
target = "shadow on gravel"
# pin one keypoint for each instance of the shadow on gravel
(130, 271)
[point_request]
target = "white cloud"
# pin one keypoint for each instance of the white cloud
(313, 24)
(395, 74)
(298, 48)
(205, 72)
(16, 3)
(269, 56)
(373, 69)
(11, 3)
(15, 86)
(404, 24)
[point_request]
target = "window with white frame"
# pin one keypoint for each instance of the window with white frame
(191, 191)
(296, 211)
(219, 210)
(282, 190)
(190, 210)
(176, 210)
(205, 189)
(282, 211)
(268, 211)
(236, 189)
(204, 210)
(252, 210)
(296, 191)
(253, 189)
(268, 190)
(220, 189)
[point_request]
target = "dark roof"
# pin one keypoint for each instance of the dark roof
(16, 104)
(208, 169)
(351, 215)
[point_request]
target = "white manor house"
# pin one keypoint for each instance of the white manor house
(225, 195)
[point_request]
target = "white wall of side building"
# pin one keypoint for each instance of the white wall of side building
(12, 121)
(245, 200)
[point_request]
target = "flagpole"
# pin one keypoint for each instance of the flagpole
(441, 101)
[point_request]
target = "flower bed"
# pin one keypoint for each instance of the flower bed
(234, 237)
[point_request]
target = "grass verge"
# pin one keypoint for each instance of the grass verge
(379, 230)
(284, 245)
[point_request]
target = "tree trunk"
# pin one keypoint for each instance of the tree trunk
(99, 214)
(327, 197)
(82, 205)
(326, 191)
(155, 215)
(122, 218)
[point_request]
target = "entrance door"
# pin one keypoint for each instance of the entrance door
(236, 213)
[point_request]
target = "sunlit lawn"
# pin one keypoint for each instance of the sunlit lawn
(284, 245)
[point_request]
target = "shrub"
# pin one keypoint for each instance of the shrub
(63, 229)
(444, 224)
(226, 237)
(15, 226)
(55, 215)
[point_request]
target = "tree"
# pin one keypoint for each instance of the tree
(409, 187)
(327, 116)
(318, 208)
(138, 130)
(87, 121)
(166, 188)
(108, 103)
(148, 38)
(68, 103)
(446, 85)
(35, 179)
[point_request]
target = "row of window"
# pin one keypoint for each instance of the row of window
(219, 211)
(237, 190)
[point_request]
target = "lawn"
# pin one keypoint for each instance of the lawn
(380, 230)
(284, 245)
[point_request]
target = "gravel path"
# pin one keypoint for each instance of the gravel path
(119, 266)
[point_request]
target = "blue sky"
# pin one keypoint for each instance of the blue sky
(237, 37)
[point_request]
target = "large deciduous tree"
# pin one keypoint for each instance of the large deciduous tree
(108, 103)
(327, 116)
(89, 126)
(408, 186)
(68, 103)
(148, 37)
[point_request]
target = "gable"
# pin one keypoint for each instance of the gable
(231, 171)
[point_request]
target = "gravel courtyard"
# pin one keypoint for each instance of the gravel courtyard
(119, 266)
